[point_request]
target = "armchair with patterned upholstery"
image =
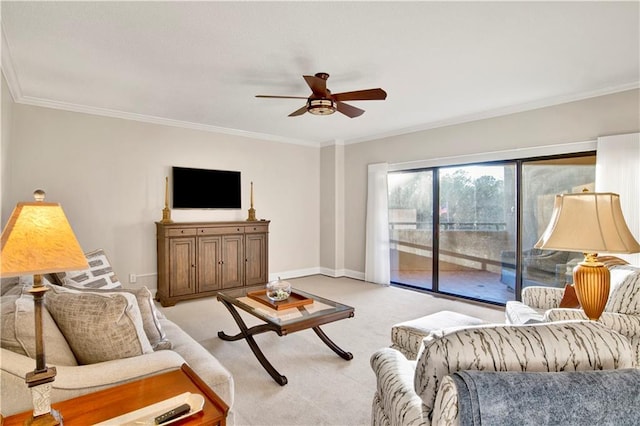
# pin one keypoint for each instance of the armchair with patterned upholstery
(428, 391)
(622, 312)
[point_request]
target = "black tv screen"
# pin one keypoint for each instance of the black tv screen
(205, 189)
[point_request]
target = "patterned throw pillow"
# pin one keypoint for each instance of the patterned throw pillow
(98, 326)
(99, 275)
(151, 323)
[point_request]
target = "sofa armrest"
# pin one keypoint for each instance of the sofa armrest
(73, 381)
(208, 367)
(445, 409)
(394, 389)
(541, 297)
(564, 314)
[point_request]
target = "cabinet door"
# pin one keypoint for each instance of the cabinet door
(232, 261)
(255, 259)
(182, 266)
(209, 261)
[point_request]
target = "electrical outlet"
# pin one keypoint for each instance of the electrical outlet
(132, 278)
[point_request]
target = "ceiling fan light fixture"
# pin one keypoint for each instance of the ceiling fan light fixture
(323, 102)
(321, 106)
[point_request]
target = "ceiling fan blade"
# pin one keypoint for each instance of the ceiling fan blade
(280, 97)
(298, 111)
(318, 86)
(348, 110)
(361, 95)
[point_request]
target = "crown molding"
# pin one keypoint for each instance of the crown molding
(47, 103)
(16, 92)
(8, 70)
(528, 106)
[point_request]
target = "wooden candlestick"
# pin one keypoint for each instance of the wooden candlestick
(166, 212)
(252, 211)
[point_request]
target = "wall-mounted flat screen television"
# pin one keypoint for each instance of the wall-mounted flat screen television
(205, 189)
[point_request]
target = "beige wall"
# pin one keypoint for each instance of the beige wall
(7, 112)
(109, 174)
(332, 210)
(571, 122)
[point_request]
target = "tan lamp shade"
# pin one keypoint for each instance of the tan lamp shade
(37, 240)
(591, 223)
(588, 222)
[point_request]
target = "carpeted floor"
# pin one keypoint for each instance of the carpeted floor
(323, 388)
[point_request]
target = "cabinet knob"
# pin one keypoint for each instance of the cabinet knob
(182, 231)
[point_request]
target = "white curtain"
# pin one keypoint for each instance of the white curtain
(618, 170)
(377, 266)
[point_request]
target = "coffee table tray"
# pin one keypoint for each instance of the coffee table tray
(293, 301)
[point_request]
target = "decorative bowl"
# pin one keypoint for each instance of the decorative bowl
(278, 290)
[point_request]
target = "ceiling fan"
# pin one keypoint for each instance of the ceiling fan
(323, 102)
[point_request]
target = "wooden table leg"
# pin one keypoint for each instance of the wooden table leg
(345, 355)
(247, 334)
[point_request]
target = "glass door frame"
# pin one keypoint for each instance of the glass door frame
(518, 164)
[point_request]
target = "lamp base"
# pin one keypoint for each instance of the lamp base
(53, 418)
(592, 281)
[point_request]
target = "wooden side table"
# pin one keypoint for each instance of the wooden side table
(113, 402)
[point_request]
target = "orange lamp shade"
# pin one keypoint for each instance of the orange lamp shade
(37, 240)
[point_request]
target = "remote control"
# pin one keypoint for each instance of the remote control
(172, 414)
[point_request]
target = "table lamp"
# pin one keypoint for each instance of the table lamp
(590, 223)
(39, 240)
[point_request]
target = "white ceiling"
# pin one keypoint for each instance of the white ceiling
(200, 64)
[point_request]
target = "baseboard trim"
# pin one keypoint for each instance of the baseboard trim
(296, 273)
(333, 273)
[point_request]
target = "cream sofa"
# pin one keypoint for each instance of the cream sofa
(424, 392)
(73, 380)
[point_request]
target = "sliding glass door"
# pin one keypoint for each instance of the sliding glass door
(411, 228)
(544, 179)
(477, 228)
(470, 230)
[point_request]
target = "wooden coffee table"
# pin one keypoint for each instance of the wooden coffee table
(282, 321)
(113, 402)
